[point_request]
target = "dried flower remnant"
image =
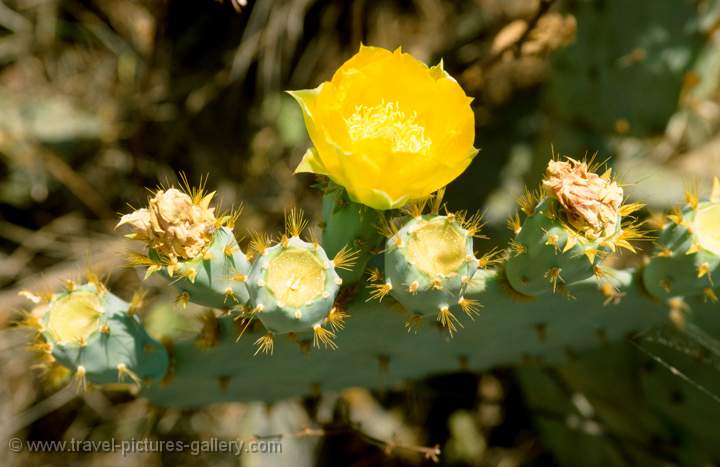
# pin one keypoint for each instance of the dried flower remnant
(174, 224)
(592, 202)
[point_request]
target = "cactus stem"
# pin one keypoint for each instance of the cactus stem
(413, 323)
(265, 344)
(124, 371)
(336, 319)
(379, 291)
(448, 320)
(541, 331)
(666, 284)
(469, 306)
(323, 336)
(345, 258)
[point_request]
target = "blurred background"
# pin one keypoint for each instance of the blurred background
(102, 98)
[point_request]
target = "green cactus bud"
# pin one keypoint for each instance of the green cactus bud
(687, 258)
(91, 332)
(428, 264)
(570, 226)
(293, 286)
(349, 224)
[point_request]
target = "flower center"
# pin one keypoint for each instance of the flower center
(296, 277)
(74, 317)
(437, 248)
(385, 121)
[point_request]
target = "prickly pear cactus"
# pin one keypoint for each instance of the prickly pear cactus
(396, 289)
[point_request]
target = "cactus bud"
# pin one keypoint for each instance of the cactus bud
(293, 285)
(90, 331)
(571, 224)
(428, 262)
(189, 244)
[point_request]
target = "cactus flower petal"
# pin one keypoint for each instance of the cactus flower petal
(388, 128)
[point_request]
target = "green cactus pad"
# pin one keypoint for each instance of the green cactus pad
(293, 286)
(350, 224)
(687, 258)
(91, 329)
(217, 279)
(543, 261)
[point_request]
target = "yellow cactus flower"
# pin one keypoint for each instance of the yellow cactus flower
(388, 128)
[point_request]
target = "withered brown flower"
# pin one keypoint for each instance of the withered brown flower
(173, 224)
(591, 202)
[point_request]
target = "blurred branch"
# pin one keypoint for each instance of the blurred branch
(516, 46)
